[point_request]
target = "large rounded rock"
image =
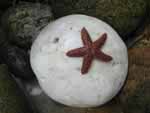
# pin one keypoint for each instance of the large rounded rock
(124, 15)
(24, 21)
(61, 77)
(11, 98)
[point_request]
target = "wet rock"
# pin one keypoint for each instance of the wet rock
(135, 95)
(124, 15)
(24, 21)
(11, 98)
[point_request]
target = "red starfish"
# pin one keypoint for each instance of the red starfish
(90, 50)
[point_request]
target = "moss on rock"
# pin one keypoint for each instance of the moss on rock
(24, 21)
(124, 15)
(11, 98)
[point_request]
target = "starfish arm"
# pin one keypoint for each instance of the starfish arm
(87, 61)
(86, 39)
(103, 57)
(79, 52)
(100, 41)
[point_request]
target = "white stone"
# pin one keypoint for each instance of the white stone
(60, 76)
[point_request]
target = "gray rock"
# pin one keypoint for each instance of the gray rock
(11, 98)
(24, 21)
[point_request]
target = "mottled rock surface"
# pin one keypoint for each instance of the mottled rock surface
(24, 21)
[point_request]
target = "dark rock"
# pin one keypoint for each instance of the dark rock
(17, 61)
(4, 4)
(139, 101)
(12, 99)
(124, 15)
(3, 38)
(135, 97)
(24, 22)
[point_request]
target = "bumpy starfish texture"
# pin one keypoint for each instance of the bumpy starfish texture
(90, 50)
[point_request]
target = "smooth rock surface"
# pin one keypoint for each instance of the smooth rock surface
(24, 21)
(60, 76)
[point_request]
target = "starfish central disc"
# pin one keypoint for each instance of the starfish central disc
(90, 50)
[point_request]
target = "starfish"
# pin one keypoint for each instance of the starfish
(90, 50)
